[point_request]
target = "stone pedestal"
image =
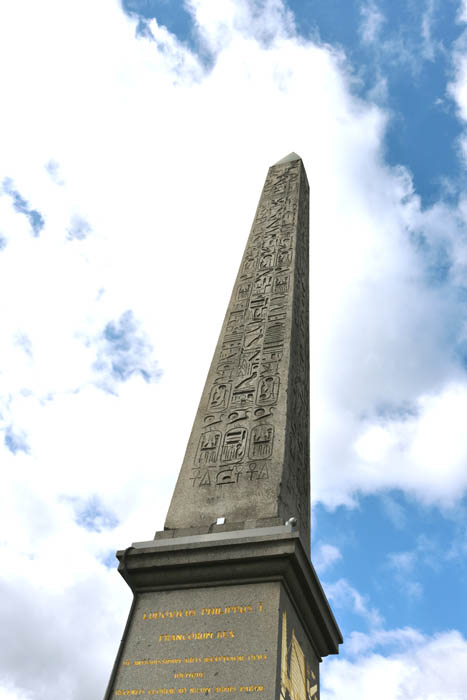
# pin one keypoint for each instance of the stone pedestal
(228, 614)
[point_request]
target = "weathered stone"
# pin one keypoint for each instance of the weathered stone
(247, 458)
(224, 614)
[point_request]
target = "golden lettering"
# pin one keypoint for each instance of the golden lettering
(211, 611)
(208, 611)
(201, 691)
(251, 688)
(168, 614)
(190, 674)
(226, 689)
(186, 637)
(228, 610)
(226, 634)
(155, 662)
(133, 691)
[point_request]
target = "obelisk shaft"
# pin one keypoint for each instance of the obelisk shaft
(247, 458)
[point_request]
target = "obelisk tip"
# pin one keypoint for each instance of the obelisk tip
(288, 159)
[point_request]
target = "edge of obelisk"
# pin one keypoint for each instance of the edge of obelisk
(288, 159)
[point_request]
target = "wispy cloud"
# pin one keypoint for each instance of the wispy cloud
(79, 228)
(344, 595)
(394, 511)
(462, 14)
(124, 351)
(418, 666)
(324, 556)
(53, 169)
(23, 341)
(403, 565)
(22, 206)
(16, 441)
(429, 46)
(93, 515)
(372, 21)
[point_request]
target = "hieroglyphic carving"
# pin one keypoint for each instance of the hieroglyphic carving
(234, 445)
(251, 348)
(261, 441)
(208, 449)
(268, 390)
(256, 395)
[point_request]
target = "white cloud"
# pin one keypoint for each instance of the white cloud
(403, 565)
(432, 668)
(430, 46)
(342, 594)
(324, 556)
(372, 21)
(402, 561)
(164, 159)
(462, 13)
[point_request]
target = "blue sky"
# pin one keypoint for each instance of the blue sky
(126, 197)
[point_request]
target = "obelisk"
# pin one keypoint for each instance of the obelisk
(226, 600)
(247, 458)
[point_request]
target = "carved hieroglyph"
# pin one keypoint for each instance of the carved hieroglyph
(248, 454)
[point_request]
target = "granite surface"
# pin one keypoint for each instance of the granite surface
(247, 459)
(209, 641)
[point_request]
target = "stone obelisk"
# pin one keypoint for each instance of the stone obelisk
(226, 600)
(247, 459)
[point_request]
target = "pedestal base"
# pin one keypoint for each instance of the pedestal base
(229, 614)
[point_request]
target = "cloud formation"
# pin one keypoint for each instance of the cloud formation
(123, 351)
(165, 153)
(20, 205)
(427, 667)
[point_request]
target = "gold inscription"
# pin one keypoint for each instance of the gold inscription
(228, 610)
(156, 662)
(140, 691)
(257, 657)
(197, 660)
(191, 691)
(209, 611)
(251, 688)
(226, 689)
(196, 636)
(200, 691)
(168, 614)
(185, 637)
(189, 674)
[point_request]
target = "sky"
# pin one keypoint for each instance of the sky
(135, 137)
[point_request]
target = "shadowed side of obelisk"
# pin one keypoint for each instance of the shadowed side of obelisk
(247, 460)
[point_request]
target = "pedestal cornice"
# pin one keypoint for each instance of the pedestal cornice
(232, 558)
